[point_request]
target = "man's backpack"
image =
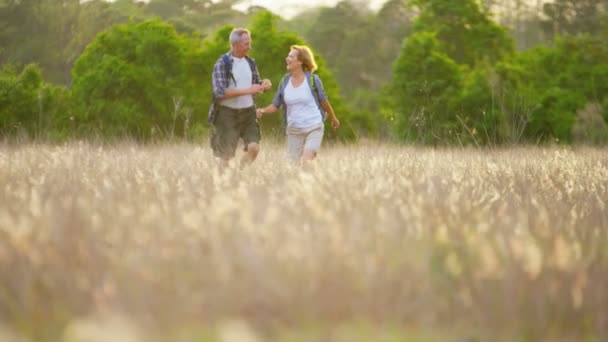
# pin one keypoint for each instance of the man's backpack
(215, 103)
(228, 66)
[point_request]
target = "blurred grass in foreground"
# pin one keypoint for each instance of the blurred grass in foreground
(373, 243)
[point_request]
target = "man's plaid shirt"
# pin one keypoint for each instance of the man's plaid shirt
(220, 79)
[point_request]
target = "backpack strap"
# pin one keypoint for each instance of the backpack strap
(282, 86)
(227, 60)
(228, 66)
(284, 81)
(313, 84)
(312, 80)
(252, 66)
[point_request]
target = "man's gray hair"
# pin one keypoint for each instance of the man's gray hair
(237, 33)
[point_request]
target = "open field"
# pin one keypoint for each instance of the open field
(373, 243)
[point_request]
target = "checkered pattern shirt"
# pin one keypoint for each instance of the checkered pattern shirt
(220, 79)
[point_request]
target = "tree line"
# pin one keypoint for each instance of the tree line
(424, 71)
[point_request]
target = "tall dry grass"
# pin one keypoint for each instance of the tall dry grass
(140, 243)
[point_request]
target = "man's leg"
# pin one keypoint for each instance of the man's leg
(251, 138)
(252, 152)
(225, 137)
(224, 162)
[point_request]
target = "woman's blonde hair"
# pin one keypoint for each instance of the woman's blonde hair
(305, 56)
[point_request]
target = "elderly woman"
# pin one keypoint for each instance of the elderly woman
(305, 105)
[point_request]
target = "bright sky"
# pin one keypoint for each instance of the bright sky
(288, 8)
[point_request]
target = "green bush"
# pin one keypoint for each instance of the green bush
(438, 95)
(19, 100)
(467, 32)
(590, 126)
(421, 93)
(553, 84)
(129, 81)
(28, 106)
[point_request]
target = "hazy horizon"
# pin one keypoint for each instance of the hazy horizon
(289, 8)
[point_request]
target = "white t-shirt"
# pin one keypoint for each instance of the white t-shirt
(242, 74)
(302, 109)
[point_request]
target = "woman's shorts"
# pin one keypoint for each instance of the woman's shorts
(300, 139)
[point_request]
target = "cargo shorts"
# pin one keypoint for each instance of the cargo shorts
(229, 126)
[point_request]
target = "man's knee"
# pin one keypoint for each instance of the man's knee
(253, 148)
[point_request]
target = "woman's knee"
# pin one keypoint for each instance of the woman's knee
(309, 154)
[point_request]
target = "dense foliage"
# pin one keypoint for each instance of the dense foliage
(126, 81)
(28, 106)
(425, 71)
(458, 80)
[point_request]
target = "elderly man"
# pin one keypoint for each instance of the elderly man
(236, 81)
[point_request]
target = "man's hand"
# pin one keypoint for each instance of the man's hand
(256, 89)
(266, 84)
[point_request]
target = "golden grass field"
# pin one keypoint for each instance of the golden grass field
(374, 242)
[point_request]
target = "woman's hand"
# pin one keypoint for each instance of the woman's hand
(335, 123)
(259, 113)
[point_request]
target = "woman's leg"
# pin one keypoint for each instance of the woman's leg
(308, 155)
(295, 145)
(312, 144)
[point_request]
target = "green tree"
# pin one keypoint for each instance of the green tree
(22, 34)
(334, 28)
(128, 81)
(419, 95)
(53, 33)
(392, 25)
(522, 18)
(203, 16)
(28, 106)
(432, 95)
(165, 9)
(359, 47)
(467, 32)
(568, 78)
(572, 17)
(19, 99)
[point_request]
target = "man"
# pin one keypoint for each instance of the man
(236, 81)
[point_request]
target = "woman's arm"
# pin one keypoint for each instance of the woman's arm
(271, 108)
(329, 110)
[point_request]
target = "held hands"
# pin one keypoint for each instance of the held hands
(266, 84)
(259, 113)
(256, 89)
(260, 88)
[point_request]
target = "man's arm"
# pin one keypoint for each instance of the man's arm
(220, 84)
(254, 89)
(218, 80)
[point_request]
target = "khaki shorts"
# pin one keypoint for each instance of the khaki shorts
(300, 139)
(229, 126)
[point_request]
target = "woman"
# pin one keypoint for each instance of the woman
(305, 105)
